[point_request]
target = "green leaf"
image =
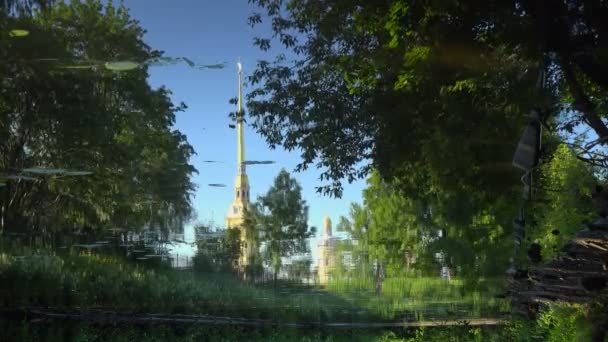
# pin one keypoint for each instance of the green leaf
(121, 65)
(18, 33)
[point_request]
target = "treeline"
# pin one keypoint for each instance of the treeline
(416, 236)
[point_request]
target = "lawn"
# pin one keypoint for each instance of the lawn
(89, 281)
(421, 298)
(109, 282)
(98, 281)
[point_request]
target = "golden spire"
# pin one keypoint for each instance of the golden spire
(239, 122)
(241, 184)
(236, 211)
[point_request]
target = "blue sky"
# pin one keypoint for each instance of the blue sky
(209, 31)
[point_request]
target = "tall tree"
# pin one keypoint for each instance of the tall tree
(282, 216)
(418, 86)
(75, 97)
(391, 228)
(436, 92)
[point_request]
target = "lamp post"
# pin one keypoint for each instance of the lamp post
(526, 157)
(527, 153)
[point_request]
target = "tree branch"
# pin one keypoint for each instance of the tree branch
(597, 72)
(582, 103)
(594, 162)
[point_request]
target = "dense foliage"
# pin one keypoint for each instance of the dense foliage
(439, 89)
(217, 250)
(434, 97)
(405, 234)
(563, 202)
(82, 142)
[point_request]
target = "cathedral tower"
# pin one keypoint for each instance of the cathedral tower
(235, 216)
(327, 256)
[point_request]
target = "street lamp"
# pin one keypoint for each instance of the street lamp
(526, 157)
(527, 152)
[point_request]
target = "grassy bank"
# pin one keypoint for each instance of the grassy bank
(91, 281)
(95, 280)
(425, 298)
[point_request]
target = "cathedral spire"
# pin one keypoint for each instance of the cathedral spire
(241, 183)
(236, 212)
(239, 121)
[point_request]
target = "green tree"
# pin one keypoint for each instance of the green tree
(393, 226)
(435, 96)
(299, 269)
(564, 201)
(443, 87)
(67, 106)
(403, 85)
(282, 217)
(231, 249)
(357, 243)
(392, 229)
(250, 233)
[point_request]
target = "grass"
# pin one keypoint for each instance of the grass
(423, 297)
(97, 280)
(559, 322)
(91, 281)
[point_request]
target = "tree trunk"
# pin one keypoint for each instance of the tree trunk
(582, 103)
(379, 278)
